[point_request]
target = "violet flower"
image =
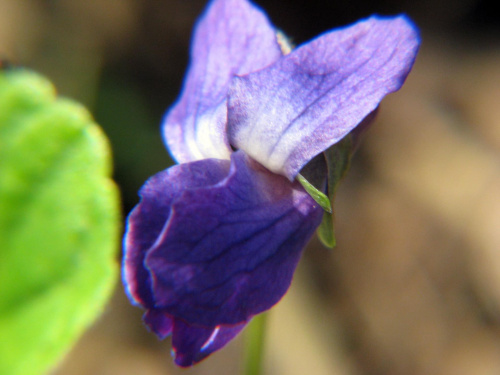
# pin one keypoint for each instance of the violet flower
(215, 239)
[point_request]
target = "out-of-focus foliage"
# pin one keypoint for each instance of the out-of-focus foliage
(59, 223)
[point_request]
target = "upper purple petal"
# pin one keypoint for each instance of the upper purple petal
(284, 115)
(216, 254)
(232, 37)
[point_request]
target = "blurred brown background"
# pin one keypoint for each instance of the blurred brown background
(413, 286)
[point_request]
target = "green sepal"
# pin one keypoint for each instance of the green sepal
(325, 231)
(317, 195)
(338, 158)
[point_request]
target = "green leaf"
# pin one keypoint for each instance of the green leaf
(338, 158)
(59, 223)
(317, 195)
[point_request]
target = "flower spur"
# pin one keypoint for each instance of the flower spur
(215, 239)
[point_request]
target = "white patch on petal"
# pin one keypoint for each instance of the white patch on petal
(194, 151)
(261, 140)
(210, 140)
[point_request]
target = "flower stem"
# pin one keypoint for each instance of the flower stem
(254, 345)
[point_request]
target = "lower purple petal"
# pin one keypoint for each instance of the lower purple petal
(192, 344)
(216, 251)
(228, 251)
(160, 323)
(147, 220)
(211, 244)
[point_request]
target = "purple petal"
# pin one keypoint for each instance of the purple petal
(147, 220)
(233, 37)
(227, 250)
(159, 322)
(284, 115)
(192, 344)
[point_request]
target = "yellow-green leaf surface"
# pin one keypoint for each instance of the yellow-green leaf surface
(59, 223)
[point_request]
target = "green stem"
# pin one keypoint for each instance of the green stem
(254, 345)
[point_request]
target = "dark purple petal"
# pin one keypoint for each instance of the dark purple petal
(232, 37)
(284, 115)
(192, 344)
(159, 322)
(227, 250)
(147, 220)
